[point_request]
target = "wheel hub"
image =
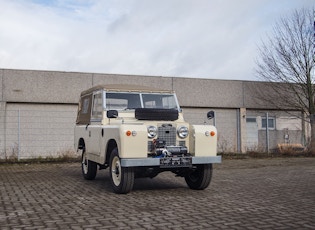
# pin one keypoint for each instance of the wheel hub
(84, 164)
(116, 174)
(117, 169)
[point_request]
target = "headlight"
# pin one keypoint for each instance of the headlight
(182, 132)
(152, 131)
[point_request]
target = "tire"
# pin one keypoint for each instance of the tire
(156, 114)
(122, 178)
(89, 168)
(199, 178)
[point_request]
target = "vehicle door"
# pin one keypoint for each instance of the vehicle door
(94, 128)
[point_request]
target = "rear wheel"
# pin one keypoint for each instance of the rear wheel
(89, 168)
(122, 178)
(199, 177)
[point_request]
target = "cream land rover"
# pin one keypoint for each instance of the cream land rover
(139, 132)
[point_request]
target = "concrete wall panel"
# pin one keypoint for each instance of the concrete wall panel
(2, 126)
(262, 95)
(209, 93)
(1, 85)
(44, 86)
(156, 82)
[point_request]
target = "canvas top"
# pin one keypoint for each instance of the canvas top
(125, 88)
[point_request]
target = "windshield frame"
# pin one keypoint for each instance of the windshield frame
(177, 107)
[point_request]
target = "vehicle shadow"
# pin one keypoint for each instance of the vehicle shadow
(163, 181)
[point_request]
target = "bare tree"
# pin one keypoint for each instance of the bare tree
(286, 59)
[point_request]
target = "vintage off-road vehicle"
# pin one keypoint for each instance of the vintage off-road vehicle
(140, 132)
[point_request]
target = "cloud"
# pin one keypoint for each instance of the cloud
(207, 39)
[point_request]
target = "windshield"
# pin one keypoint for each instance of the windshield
(159, 101)
(123, 101)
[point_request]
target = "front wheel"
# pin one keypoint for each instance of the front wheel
(89, 168)
(122, 178)
(199, 177)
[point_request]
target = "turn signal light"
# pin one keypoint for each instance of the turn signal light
(212, 133)
(129, 133)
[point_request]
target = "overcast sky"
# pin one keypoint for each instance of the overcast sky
(215, 39)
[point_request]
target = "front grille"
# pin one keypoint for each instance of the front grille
(167, 133)
(150, 146)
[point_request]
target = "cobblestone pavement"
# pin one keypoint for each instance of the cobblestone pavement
(244, 194)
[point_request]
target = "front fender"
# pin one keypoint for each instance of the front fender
(203, 140)
(133, 141)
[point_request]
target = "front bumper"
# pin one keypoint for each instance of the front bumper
(138, 162)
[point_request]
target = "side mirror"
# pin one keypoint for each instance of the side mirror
(112, 114)
(210, 114)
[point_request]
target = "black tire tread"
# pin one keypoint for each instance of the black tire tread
(127, 176)
(204, 177)
(92, 169)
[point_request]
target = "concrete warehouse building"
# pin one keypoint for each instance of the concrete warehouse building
(38, 111)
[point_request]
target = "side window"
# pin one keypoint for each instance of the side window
(271, 123)
(84, 110)
(97, 106)
(85, 105)
(251, 119)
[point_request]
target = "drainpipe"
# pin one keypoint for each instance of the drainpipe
(267, 132)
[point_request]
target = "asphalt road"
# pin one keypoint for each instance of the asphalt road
(274, 193)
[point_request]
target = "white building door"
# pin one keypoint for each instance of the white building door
(252, 134)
